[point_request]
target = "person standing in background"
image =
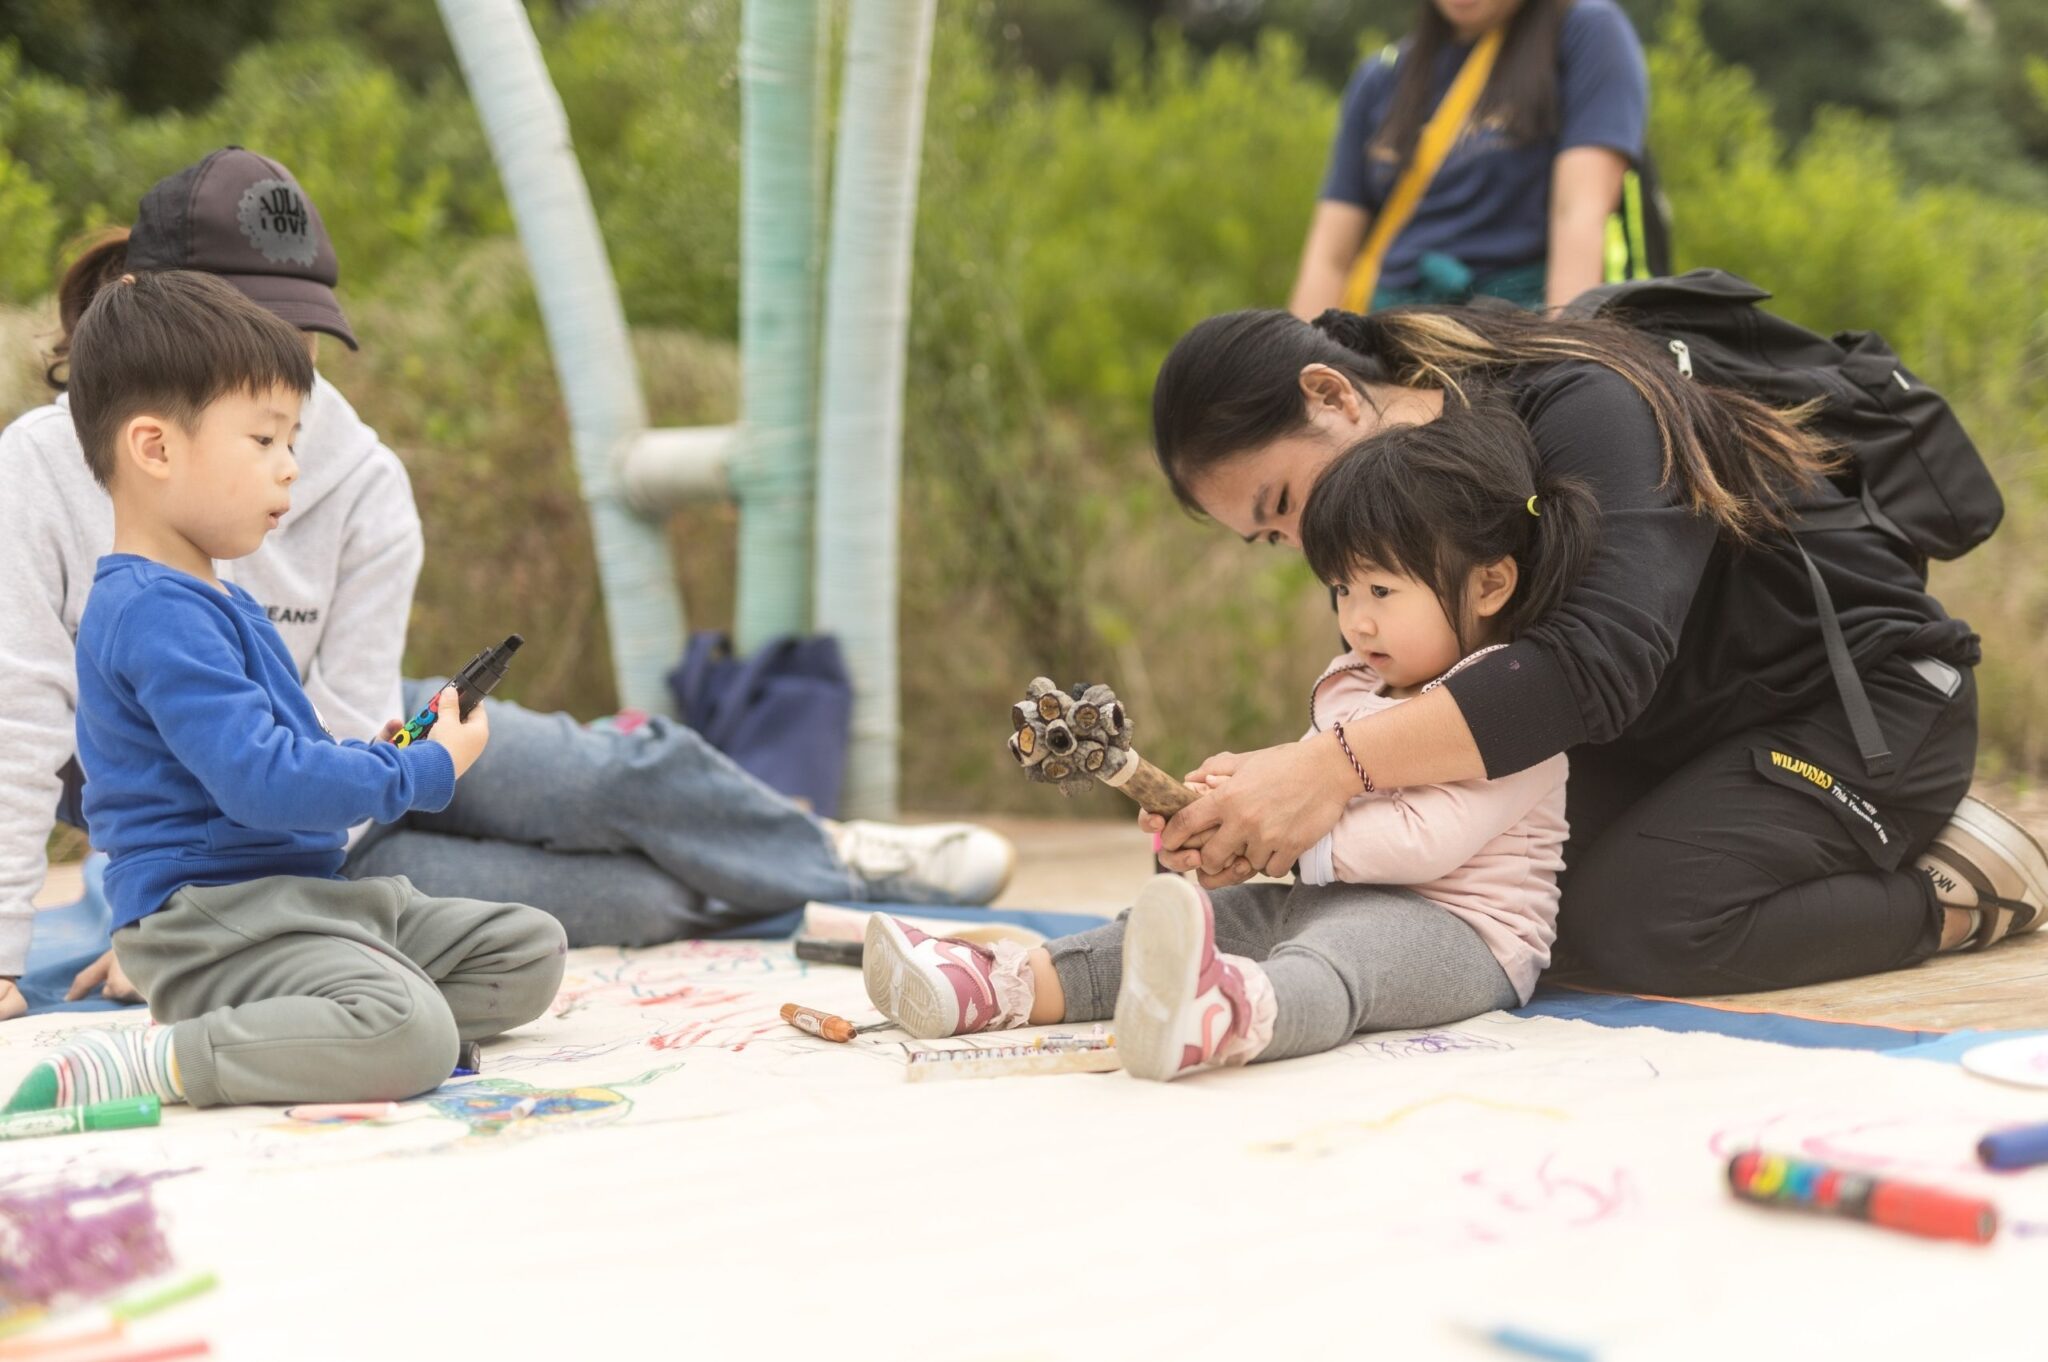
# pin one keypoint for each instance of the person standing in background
(1518, 207)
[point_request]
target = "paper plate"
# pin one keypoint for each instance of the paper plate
(2022, 1060)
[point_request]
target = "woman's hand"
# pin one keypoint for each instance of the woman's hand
(1274, 805)
(12, 1004)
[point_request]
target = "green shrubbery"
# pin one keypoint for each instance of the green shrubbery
(1066, 237)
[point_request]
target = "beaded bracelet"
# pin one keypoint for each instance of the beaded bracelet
(1352, 757)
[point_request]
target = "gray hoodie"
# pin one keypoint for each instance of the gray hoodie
(336, 576)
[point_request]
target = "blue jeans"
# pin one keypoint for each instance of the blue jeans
(628, 839)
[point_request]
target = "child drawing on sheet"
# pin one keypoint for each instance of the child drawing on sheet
(1423, 906)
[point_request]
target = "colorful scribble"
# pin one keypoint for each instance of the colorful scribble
(1547, 1195)
(672, 974)
(491, 1108)
(1419, 1044)
(1943, 1142)
(1332, 1136)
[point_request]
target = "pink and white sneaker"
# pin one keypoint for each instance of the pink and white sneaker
(935, 986)
(1181, 1006)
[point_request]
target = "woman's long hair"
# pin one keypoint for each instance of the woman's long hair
(1520, 96)
(102, 258)
(1232, 384)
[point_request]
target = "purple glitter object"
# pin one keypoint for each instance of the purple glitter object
(78, 1240)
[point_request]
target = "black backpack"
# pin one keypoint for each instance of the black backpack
(1913, 471)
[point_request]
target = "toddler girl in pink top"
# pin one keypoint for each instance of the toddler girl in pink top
(1423, 906)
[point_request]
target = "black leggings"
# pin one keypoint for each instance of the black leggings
(1769, 860)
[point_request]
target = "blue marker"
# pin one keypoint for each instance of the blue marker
(2020, 1147)
(1510, 1338)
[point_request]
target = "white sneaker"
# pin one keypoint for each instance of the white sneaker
(926, 862)
(1181, 1006)
(1985, 861)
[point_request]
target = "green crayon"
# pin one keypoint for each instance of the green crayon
(124, 1113)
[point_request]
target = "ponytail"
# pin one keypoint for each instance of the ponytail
(1567, 528)
(1233, 384)
(102, 259)
(1434, 501)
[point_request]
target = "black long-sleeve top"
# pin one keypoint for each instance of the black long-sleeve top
(1675, 637)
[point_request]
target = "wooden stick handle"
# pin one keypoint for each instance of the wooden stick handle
(1153, 789)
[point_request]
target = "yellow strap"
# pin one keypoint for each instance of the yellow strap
(1439, 135)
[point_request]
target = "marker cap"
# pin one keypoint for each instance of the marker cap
(124, 1113)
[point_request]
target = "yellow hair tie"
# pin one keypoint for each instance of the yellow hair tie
(1532, 507)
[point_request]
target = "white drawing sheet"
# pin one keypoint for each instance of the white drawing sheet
(662, 1163)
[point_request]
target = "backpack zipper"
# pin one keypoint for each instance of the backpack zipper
(1684, 354)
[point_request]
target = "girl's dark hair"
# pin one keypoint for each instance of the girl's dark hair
(1434, 501)
(1521, 93)
(1233, 384)
(102, 258)
(172, 343)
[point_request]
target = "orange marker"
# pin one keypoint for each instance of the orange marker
(823, 1025)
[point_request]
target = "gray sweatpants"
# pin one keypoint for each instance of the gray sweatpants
(289, 989)
(1343, 958)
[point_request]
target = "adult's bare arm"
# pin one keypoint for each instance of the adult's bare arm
(1334, 235)
(1585, 186)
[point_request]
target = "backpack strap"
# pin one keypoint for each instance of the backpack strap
(1438, 136)
(1870, 741)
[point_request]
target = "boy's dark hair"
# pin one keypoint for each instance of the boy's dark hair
(172, 343)
(1434, 501)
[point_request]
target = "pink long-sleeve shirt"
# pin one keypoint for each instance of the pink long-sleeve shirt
(1489, 851)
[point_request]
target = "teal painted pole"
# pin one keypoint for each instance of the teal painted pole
(586, 329)
(867, 323)
(773, 468)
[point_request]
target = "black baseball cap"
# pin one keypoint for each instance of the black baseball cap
(243, 217)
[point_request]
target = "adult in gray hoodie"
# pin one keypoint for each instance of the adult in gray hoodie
(629, 839)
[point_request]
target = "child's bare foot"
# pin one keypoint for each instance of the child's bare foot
(934, 986)
(1181, 1006)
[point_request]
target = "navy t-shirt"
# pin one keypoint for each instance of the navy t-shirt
(1489, 205)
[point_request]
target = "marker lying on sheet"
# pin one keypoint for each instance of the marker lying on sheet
(2016, 1147)
(1514, 1339)
(123, 1113)
(1773, 1179)
(820, 950)
(377, 1113)
(825, 1026)
(146, 1303)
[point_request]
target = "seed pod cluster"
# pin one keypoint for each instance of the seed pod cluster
(1069, 738)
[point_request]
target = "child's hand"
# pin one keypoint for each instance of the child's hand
(1212, 772)
(1155, 824)
(391, 730)
(106, 975)
(464, 738)
(12, 1004)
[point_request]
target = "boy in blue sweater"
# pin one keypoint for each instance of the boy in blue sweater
(209, 778)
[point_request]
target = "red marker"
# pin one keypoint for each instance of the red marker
(1775, 1180)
